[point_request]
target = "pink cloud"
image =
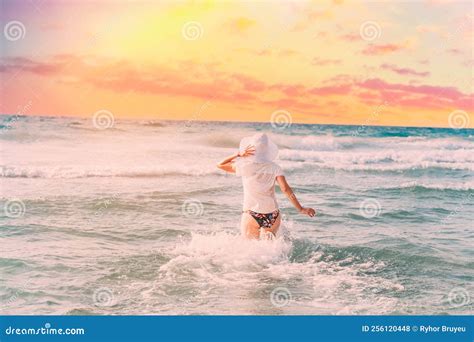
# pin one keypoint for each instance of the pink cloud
(404, 71)
(378, 84)
(435, 96)
(350, 37)
(340, 89)
(455, 51)
(382, 49)
(293, 90)
(206, 81)
(24, 64)
(249, 83)
(291, 103)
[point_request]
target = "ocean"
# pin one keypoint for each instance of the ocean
(137, 219)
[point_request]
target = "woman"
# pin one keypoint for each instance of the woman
(254, 163)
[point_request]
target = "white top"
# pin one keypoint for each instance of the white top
(258, 179)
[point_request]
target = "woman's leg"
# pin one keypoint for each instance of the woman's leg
(249, 227)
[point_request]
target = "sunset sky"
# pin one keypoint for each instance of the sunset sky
(329, 62)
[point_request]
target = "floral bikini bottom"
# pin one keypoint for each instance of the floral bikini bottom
(264, 220)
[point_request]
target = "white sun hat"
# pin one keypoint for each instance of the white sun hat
(265, 149)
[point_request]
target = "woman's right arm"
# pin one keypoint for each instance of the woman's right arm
(226, 164)
(286, 189)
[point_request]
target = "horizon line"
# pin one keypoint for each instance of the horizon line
(231, 121)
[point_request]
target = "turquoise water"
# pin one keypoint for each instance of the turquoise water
(136, 219)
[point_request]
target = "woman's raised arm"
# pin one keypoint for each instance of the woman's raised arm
(226, 164)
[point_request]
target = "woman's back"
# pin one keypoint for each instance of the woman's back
(258, 179)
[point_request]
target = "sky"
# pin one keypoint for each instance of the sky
(403, 63)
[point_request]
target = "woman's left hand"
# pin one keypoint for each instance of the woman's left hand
(249, 151)
(308, 211)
